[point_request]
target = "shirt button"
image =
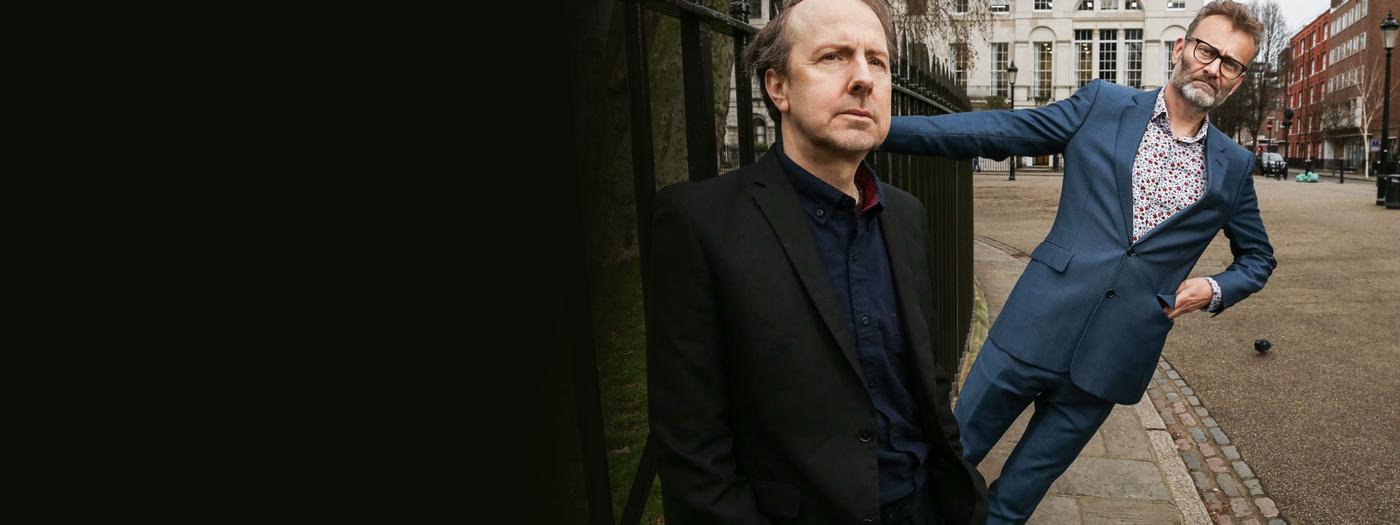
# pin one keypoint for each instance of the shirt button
(821, 213)
(865, 320)
(1110, 293)
(865, 435)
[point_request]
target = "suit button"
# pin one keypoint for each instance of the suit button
(865, 435)
(865, 320)
(1110, 293)
(867, 521)
(1132, 252)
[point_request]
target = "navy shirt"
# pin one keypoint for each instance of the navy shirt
(853, 251)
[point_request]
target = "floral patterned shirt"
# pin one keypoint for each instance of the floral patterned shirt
(1169, 175)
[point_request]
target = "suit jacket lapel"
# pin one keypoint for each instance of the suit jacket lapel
(1215, 160)
(777, 200)
(1131, 127)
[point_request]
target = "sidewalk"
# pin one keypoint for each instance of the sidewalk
(1130, 472)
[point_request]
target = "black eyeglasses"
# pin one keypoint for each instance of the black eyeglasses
(1206, 53)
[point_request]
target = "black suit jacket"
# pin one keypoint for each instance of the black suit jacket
(756, 398)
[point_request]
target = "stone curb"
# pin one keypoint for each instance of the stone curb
(1224, 483)
(1193, 510)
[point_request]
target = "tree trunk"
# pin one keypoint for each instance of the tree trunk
(1365, 155)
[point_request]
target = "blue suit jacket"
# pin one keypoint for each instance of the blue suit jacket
(1090, 302)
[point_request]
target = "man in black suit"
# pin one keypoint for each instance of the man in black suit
(791, 372)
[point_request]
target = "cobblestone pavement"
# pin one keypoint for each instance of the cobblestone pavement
(1226, 484)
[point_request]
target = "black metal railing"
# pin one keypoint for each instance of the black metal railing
(922, 86)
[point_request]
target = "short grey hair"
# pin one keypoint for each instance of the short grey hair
(1241, 18)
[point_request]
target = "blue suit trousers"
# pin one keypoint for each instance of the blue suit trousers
(999, 388)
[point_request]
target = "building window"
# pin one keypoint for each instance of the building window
(1109, 4)
(1085, 5)
(1001, 6)
(1176, 4)
(999, 58)
(959, 52)
(1132, 45)
(760, 133)
(1108, 54)
(1084, 53)
(1166, 65)
(1134, 4)
(1044, 5)
(1044, 60)
(959, 7)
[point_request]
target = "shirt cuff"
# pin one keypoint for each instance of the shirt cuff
(1214, 296)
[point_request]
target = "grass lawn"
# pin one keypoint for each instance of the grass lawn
(620, 331)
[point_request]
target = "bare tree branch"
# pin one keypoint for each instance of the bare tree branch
(928, 22)
(1266, 68)
(1370, 98)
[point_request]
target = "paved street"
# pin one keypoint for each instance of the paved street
(1316, 418)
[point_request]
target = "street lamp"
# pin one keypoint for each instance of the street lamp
(1287, 123)
(1388, 27)
(1011, 77)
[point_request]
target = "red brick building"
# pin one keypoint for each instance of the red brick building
(1307, 82)
(1355, 70)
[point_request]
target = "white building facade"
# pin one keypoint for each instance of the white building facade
(1059, 46)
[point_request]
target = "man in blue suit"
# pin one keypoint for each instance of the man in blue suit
(1148, 182)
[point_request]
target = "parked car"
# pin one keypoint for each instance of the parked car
(1272, 164)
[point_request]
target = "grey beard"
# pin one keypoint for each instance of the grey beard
(1196, 96)
(1199, 97)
